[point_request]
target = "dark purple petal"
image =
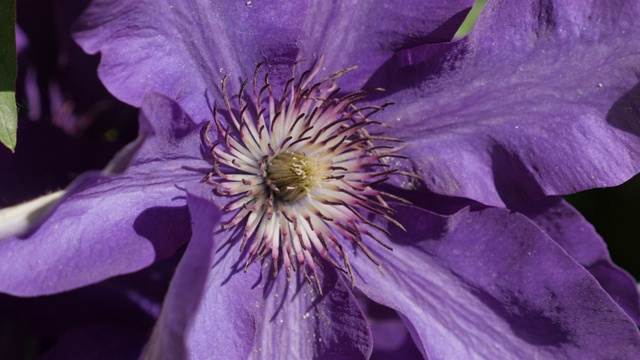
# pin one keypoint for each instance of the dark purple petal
(541, 98)
(183, 49)
(366, 34)
(392, 340)
(491, 284)
(108, 225)
(297, 320)
(213, 307)
(570, 230)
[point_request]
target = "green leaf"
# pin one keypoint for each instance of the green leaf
(8, 68)
(470, 20)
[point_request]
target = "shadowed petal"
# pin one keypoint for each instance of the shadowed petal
(367, 33)
(108, 225)
(183, 49)
(392, 340)
(105, 226)
(570, 230)
(541, 98)
(491, 284)
(183, 299)
(295, 319)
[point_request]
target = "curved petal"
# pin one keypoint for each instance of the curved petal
(490, 284)
(540, 99)
(295, 319)
(105, 226)
(367, 33)
(108, 225)
(183, 49)
(188, 287)
(172, 142)
(569, 229)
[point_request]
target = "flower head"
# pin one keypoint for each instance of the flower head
(493, 121)
(306, 168)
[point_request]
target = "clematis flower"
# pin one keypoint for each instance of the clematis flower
(467, 280)
(479, 282)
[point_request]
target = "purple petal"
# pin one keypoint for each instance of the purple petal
(171, 47)
(183, 49)
(105, 226)
(366, 34)
(297, 320)
(109, 225)
(491, 284)
(391, 338)
(541, 98)
(186, 290)
(214, 308)
(570, 230)
(172, 144)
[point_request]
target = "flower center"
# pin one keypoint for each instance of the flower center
(302, 171)
(294, 175)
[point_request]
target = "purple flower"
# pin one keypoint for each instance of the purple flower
(505, 116)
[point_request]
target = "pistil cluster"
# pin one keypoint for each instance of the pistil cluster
(304, 171)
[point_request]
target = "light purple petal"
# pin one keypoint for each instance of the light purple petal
(570, 230)
(213, 307)
(183, 49)
(367, 33)
(108, 225)
(491, 284)
(105, 227)
(541, 98)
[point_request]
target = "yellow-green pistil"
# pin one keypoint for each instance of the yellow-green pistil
(293, 175)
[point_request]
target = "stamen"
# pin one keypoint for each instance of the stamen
(303, 170)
